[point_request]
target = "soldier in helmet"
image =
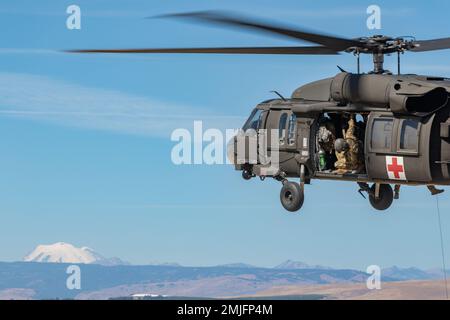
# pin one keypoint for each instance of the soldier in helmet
(342, 148)
(348, 150)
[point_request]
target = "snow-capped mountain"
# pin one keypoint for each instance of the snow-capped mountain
(62, 252)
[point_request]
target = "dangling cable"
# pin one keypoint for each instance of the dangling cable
(442, 246)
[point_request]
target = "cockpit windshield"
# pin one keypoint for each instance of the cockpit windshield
(254, 120)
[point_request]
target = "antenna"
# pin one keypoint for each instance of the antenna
(279, 94)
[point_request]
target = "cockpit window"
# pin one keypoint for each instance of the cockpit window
(292, 126)
(282, 127)
(254, 120)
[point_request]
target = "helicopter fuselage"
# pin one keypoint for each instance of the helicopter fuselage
(401, 125)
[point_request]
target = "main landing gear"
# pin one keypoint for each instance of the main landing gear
(292, 196)
(381, 196)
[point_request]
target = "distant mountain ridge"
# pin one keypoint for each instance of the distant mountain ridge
(290, 264)
(33, 280)
(43, 276)
(409, 273)
(236, 265)
(48, 280)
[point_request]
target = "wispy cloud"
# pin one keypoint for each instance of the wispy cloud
(109, 13)
(15, 51)
(55, 101)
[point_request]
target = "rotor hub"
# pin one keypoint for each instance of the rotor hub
(383, 44)
(379, 45)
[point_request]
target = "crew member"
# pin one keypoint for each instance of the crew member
(348, 150)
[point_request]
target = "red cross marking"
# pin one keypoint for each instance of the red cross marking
(395, 168)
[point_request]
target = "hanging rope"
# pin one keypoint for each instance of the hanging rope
(442, 245)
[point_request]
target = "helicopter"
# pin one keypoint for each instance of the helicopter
(375, 129)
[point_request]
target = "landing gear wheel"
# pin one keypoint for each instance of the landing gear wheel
(385, 199)
(247, 175)
(292, 196)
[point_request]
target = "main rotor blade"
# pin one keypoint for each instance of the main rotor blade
(430, 45)
(237, 50)
(334, 43)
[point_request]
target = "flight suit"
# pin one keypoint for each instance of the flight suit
(350, 160)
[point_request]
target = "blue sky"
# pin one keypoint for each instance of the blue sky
(85, 139)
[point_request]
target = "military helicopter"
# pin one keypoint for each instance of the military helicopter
(376, 129)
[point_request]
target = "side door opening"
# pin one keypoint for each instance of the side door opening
(339, 140)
